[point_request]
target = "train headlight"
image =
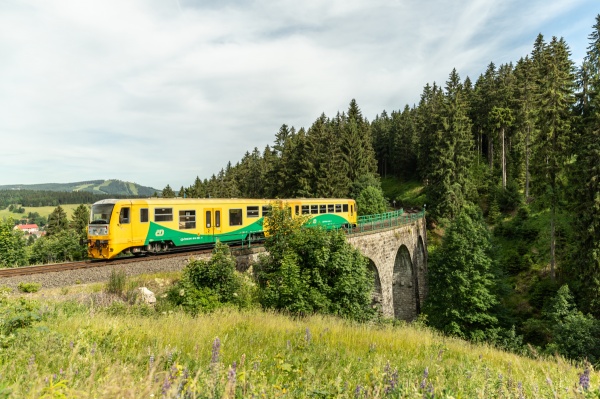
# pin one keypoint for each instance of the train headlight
(98, 230)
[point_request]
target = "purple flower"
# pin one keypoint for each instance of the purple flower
(216, 349)
(584, 379)
(166, 385)
(232, 373)
(520, 388)
(358, 391)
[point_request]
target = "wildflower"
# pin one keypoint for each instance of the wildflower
(391, 377)
(358, 391)
(71, 344)
(151, 360)
(32, 360)
(215, 351)
(232, 373)
(308, 336)
(93, 349)
(166, 385)
(425, 375)
(584, 379)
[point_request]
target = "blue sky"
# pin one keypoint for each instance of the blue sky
(159, 92)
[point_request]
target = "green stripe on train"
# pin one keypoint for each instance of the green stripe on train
(158, 233)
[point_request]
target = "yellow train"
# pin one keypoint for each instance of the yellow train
(141, 226)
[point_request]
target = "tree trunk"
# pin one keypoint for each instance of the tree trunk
(527, 164)
(552, 243)
(503, 159)
(491, 153)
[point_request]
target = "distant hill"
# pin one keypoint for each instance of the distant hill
(101, 187)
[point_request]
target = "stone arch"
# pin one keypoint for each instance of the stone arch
(377, 295)
(404, 286)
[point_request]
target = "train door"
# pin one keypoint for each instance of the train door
(124, 235)
(212, 221)
(140, 224)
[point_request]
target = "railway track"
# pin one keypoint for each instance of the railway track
(88, 264)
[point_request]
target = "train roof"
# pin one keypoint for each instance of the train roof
(217, 200)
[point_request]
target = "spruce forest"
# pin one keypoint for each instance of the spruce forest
(509, 165)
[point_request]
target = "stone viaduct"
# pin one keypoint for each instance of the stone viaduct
(398, 257)
(397, 252)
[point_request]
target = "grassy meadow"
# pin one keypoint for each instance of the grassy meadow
(84, 343)
(42, 210)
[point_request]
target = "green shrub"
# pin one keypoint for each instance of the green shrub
(16, 315)
(207, 285)
(312, 270)
(29, 287)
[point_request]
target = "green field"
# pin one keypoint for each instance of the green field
(42, 210)
(91, 344)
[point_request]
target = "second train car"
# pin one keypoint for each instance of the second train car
(141, 226)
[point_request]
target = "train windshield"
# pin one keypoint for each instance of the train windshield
(101, 213)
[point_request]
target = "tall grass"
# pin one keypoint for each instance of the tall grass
(83, 351)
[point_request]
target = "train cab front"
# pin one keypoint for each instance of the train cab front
(99, 230)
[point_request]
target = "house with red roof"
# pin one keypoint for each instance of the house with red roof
(28, 228)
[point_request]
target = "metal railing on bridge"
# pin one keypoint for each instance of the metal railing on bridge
(365, 223)
(385, 220)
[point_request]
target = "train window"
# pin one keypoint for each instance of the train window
(330, 208)
(345, 207)
(314, 209)
(208, 217)
(235, 217)
(124, 215)
(338, 208)
(163, 214)
(217, 218)
(305, 209)
(322, 208)
(266, 210)
(187, 220)
(252, 211)
(144, 215)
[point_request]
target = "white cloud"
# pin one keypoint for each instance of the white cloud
(158, 92)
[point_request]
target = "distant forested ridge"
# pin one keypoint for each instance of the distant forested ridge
(112, 187)
(54, 194)
(34, 198)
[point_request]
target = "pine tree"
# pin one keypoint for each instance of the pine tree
(525, 117)
(554, 124)
(57, 221)
(168, 192)
(449, 188)
(461, 280)
(80, 219)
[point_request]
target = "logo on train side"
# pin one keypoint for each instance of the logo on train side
(159, 233)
